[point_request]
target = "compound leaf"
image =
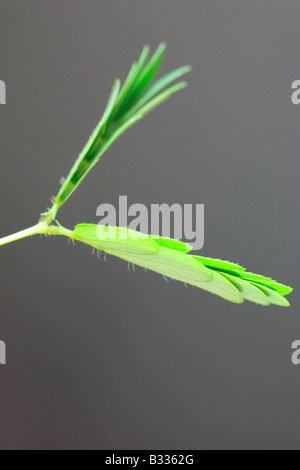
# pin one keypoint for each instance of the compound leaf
(171, 259)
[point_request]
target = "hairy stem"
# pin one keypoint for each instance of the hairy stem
(40, 228)
(50, 216)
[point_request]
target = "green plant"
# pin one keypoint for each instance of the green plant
(127, 105)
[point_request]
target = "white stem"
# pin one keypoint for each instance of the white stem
(41, 228)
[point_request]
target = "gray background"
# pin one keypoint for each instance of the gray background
(99, 358)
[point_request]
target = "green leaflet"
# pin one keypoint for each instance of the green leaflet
(158, 86)
(120, 240)
(170, 263)
(245, 281)
(264, 281)
(173, 244)
(134, 248)
(170, 258)
(159, 100)
(180, 268)
(220, 286)
(248, 290)
(274, 297)
(86, 159)
(276, 286)
(219, 264)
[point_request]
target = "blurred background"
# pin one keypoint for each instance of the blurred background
(100, 358)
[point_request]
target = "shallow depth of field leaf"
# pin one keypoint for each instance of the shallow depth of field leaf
(171, 259)
(126, 105)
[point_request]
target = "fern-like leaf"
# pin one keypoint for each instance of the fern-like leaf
(170, 258)
(127, 105)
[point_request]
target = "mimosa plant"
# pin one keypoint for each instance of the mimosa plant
(127, 105)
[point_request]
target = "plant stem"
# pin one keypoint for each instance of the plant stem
(18, 236)
(50, 216)
(40, 228)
